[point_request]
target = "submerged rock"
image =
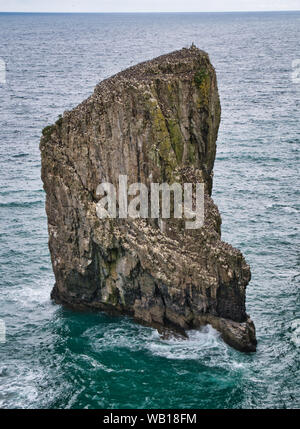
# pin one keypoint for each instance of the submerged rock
(154, 122)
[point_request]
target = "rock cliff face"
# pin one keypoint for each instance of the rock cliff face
(154, 122)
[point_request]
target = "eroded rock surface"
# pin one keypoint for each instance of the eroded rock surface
(154, 122)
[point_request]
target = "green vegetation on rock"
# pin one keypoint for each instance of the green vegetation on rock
(202, 81)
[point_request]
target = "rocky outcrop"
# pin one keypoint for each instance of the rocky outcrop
(154, 122)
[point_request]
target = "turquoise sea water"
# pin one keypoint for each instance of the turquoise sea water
(56, 358)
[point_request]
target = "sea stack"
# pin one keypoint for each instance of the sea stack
(154, 122)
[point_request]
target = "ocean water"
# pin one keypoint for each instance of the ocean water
(57, 358)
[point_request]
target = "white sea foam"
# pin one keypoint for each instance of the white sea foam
(199, 342)
(295, 337)
(96, 364)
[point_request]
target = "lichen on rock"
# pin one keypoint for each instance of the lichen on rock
(154, 122)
